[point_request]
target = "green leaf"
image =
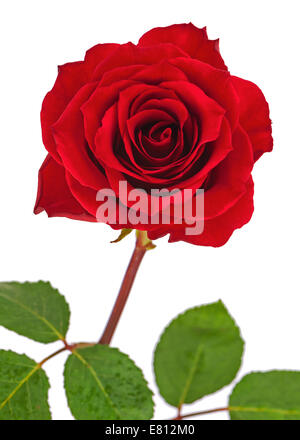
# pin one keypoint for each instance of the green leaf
(23, 388)
(198, 353)
(104, 384)
(35, 310)
(124, 232)
(273, 395)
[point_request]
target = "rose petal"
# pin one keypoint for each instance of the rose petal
(86, 196)
(109, 155)
(119, 74)
(208, 112)
(174, 107)
(71, 77)
(190, 39)
(254, 116)
(95, 107)
(105, 139)
(230, 177)
(129, 54)
(71, 144)
(215, 83)
(216, 151)
(157, 73)
(97, 54)
(218, 230)
(54, 195)
(132, 97)
(136, 97)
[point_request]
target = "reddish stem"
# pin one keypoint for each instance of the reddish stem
(52, 355)
(140, 249)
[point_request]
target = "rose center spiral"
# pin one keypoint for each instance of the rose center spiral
(159, 139)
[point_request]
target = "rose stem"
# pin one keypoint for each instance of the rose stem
(141, 246)
(66, 347)
(52, 356)
(200, 413)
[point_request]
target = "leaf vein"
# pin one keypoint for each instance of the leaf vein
(20, 384)
(41, 318)
(97, 380)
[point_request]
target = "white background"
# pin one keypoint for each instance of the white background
(256, 273)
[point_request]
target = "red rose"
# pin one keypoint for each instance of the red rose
(165, 113)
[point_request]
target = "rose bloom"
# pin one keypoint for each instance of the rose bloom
(164, 113)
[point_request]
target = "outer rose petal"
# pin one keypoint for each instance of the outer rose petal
(97, 54)
(71, 77)
(87, 197)
(129, 54)
(54, 195)
(230, 177)
(254, 116)
(71, 143)
(157, 73)
(84, 195)
(217, 231)
(189, 38)
(119, 73)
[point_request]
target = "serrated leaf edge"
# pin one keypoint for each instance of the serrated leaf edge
(41, 318)
(180, 315)
(94, 374)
